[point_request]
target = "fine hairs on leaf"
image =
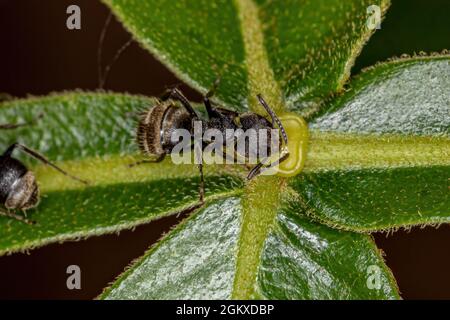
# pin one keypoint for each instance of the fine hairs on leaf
(378, 155)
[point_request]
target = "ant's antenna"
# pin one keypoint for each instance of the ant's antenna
(41, 158)
(100, 49)
(274, 117)
(9, 126)
(103, 75)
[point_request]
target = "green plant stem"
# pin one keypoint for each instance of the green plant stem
(261, 199)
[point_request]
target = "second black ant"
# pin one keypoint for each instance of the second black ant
(18, 186)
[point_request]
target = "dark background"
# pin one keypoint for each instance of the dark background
(39, 55)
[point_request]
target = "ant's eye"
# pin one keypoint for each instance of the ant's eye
(298, 135)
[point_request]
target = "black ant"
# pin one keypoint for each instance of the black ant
(157, 123)
(18, 187)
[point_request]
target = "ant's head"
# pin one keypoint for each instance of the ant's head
(257, 122)
(254, 121)
(259, 125)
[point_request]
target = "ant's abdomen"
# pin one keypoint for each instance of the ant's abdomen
(149, 130)
(178, 120)
(157, 125)
(24, 193)
(11, 170)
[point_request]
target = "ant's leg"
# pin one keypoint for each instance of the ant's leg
(198, 159)
(235, 157)
(273, 164)
(206, 100)
(202, 184)
(201, 195)
(190, 209)
(226, 157)
(41, 158)
(258, 169)
(16, 216)
(201, 201)
(209, 109)
(156, 160)
(9, 126)
(213, 89)
(274, 118)
(177, 95)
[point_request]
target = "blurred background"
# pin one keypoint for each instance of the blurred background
(40, 55)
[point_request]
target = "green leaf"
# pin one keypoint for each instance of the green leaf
(306, 260)
(195, 261)
(380, 154)
(379, 170)
(91, 135)
(300, 260)
(300, 50)
(254, 47)
(312, 45)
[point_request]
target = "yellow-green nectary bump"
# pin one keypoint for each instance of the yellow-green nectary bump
(298, 135)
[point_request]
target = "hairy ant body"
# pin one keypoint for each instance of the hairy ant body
(156, 125)
(158, 122)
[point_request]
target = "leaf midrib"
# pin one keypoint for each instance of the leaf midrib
(345, 151)
(262, 195)
(327, 151)
(114, 169)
